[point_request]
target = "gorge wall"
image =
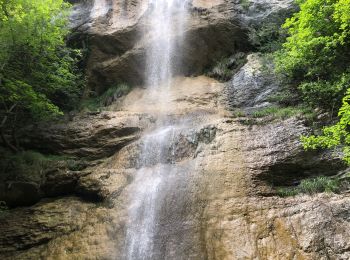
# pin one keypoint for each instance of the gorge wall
(215, 196)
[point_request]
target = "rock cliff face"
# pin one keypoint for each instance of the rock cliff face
(114, 31)
(220, 184)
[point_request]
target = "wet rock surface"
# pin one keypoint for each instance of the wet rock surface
(214, 191)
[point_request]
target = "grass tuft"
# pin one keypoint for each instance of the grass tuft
(107, 98)
(283, 112)
(312, 186)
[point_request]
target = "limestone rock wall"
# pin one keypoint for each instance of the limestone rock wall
(220, 185)
(116, 32)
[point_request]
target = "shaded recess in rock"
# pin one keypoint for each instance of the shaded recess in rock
(293, 169)
(275, 155)
(21, 189)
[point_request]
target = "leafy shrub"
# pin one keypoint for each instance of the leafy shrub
(39, 73)
(316, 56)
(269, 35)
(334, 136)
(317, 51)
(325, 94)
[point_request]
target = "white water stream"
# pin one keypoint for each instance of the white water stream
(166, 22)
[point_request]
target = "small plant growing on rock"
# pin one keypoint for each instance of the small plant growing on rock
(283, 112)
(287, 192)
(225, 68)
(312, 186)
(238, 113)
(106, 99)
(245, 4)
(113, 93)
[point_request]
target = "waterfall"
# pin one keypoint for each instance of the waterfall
(166, 22)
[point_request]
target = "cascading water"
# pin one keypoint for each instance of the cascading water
(155, 175)
(166, 24)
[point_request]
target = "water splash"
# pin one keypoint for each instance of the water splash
(145, 196)
(166, 24)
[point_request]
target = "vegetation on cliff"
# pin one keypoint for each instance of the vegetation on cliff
(39, 76)
(316, 57)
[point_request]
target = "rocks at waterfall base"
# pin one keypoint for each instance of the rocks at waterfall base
(219, 201)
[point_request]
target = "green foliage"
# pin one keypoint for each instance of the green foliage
(272, 113)
(106, 99)
(238, 113)
(39, 76)
(269, 35)
(221, 70)
(325, 94)
(312, 186)
(23, 94)
(335, 135)
(316, 56)
(113, 93)
(317, 51)
(284, 98)
(287, 192)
